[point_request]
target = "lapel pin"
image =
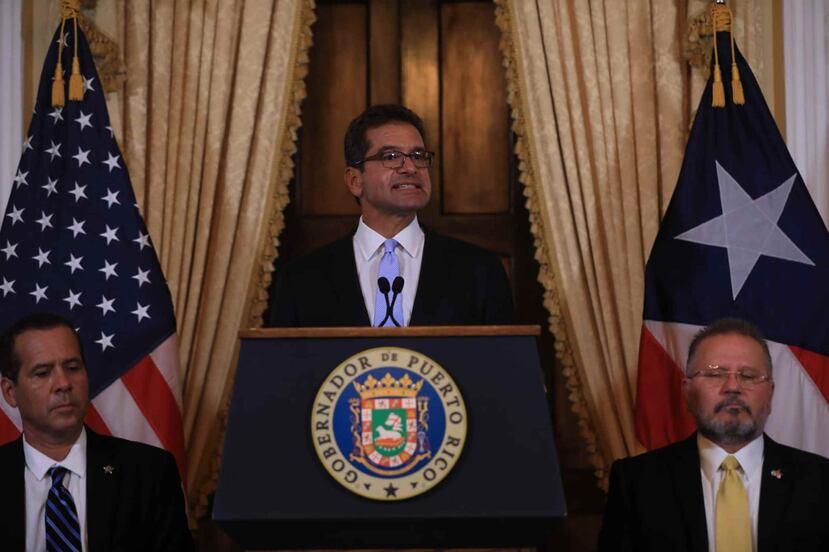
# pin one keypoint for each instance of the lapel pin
(777, 473)
(109, 469)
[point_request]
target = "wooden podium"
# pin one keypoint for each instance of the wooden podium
(504, 490)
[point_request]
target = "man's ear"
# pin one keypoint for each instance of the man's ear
(7, 386)
(354, 181)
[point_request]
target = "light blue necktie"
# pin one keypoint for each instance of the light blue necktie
(389, 269)
(63, 531)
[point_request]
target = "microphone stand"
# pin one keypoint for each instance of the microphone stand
(396, 288)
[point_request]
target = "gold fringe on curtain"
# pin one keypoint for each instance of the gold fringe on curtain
(546, 275)
(257, 299)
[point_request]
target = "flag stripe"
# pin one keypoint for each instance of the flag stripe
(661, 413)
(120, 412)
(165, 358)
(817, 366)
(799, 412)
(158, 405)
(8, 431)
(93, 419)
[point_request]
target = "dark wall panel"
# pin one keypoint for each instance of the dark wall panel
(474, 112)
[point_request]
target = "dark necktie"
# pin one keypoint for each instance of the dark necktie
(63, 530)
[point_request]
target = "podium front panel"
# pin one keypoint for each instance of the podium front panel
(504, 490)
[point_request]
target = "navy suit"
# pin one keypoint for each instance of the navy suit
(655, 501)
(135, 504)
(459, 284)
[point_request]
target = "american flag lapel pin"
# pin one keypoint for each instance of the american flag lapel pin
(777, 473)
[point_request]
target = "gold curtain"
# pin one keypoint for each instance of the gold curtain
(208, 118)
(601, 98)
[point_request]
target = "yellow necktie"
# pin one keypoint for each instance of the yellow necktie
(733, 526)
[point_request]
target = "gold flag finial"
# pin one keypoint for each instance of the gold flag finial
(721, 21)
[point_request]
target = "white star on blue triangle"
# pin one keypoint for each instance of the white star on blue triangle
(747, 228)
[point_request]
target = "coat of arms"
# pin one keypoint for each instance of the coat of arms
(389, 423)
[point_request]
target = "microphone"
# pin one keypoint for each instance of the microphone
(396, 287)
(383, 286)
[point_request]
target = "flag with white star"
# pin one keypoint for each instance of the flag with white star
(741, 237)
(73, 242)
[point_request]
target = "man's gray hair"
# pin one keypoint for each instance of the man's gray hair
(726, 326)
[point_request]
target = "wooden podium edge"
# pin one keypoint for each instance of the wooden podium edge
(412, 331)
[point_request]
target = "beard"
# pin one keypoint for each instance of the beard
(731, 431)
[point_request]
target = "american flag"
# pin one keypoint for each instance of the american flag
(741, 237)
(73, 242)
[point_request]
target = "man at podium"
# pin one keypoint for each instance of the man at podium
(390, 271)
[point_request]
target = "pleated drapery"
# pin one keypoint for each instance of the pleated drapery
(208, 119)
(601, 98)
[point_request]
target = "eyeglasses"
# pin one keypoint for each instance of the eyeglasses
(715, 376)
(394, 159)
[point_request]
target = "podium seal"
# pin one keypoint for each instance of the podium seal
(388, 423)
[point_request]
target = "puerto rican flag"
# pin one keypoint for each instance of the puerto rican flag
(741, 237)
(73, 242)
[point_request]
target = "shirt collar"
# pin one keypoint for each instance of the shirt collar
(369, 242)
(38, 463)
(711, 456)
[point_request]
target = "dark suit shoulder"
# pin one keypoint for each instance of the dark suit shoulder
(126, 445)
(12, 448)
(655, 501)
(135, 500)
(797, 456)
(132, 449)
(460, 283)
(459, 247)
(308, 287)
(681, 450)
(321, 258)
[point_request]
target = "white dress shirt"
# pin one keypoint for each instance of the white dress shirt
(368, 250)
(38, 485)
(751, 472)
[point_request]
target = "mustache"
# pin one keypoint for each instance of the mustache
(66, 402)
(732, 401)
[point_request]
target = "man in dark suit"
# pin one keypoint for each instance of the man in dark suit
(441, 280)
(728, 487)
(64, 486)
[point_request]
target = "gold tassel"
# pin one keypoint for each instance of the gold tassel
(58, 99)
(717, 89)
(75, 80)
(722, 21)
(737, 94)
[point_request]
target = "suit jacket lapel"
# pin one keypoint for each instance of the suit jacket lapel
(346, 284)
(433, 275)
(102, 472)
(13, 504)
(775, 491)
(688, 481)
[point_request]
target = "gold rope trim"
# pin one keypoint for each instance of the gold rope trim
(258, 299)
(546, 276)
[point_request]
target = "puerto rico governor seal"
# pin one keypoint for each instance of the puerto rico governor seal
(389, 423)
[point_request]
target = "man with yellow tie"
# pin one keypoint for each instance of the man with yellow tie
(728, 487)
